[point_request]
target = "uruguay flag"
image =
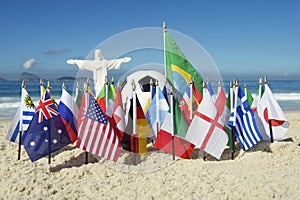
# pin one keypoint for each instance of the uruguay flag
(22, 118)
(68, 111)
(242, 118)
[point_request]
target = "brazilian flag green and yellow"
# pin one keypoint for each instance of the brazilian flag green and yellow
(179, 70)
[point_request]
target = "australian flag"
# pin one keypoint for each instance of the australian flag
(46, 132)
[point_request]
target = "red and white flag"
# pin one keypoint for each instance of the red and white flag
(206, 131)
(95, 134)
(269, 109)
(119, 114)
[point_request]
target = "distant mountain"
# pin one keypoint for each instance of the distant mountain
(2, 79)
(28, 77)
(66, 78)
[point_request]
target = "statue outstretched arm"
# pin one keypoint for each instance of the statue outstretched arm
(82, 64)
(116, 63)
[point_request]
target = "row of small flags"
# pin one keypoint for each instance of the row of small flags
(206, 121)
(199, 119)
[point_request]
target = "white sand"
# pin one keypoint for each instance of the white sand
(265, 172)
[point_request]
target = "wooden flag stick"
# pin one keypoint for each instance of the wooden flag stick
(271, 131)
(232, 142)
(172, 121)
(203, 87)
(20, 145)
(134, 122)
(49, 145)
(21, 128)
(86, 89)
(233, 128)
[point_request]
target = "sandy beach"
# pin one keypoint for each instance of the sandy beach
(267, 171)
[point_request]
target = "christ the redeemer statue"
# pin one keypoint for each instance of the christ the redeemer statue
(99, 67)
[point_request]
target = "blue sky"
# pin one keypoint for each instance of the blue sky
(244, 38)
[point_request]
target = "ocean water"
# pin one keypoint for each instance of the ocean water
(287, 93)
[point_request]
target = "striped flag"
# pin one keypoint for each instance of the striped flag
(157, 111)
(242, 118)
(137, 129)
(68, 111)
(14, 129)
(22, 118)
(110, 102)
(101, 98)
(95, 133)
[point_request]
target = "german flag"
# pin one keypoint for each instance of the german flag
(136, 143)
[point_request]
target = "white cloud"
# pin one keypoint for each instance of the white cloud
(29, 63)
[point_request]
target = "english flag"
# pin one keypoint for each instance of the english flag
(205, 130)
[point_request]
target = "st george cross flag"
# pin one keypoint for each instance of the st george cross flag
(206, 131)
(269, 109)
(95, 133)
(157, 111)
(68, 111)
(46, 132)
(242, 118)
(23, 117)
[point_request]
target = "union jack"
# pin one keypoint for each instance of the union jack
(46, 107)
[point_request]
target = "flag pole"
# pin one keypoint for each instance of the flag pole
(106, 93)
(164, 36)
(49, 131)
(41, 85)
(260, 87)
(134, 121)
(233, 105)
(172, 124)
(191, 99)
(233, 128)
(21, 123)
(157, 107)
(203, 87)
(270, 121)
(86, 89)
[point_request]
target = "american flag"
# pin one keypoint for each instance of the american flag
(96, 135)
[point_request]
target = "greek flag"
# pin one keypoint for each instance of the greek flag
(242, 118)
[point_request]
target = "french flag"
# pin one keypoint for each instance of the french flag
(68, 111)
